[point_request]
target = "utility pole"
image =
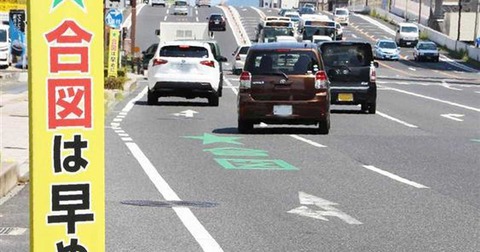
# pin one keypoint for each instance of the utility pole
(459, 18)
(475, 32)
(406, 10)
(419, 11)
(134, 25)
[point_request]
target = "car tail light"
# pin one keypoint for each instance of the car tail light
(373, 74)
(238, 57)
(209, 63)
(157, 62)
(245, 80)
(320, 80)
(184, 46)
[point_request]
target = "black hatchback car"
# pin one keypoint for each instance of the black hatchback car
(217, 22)
(351, 70)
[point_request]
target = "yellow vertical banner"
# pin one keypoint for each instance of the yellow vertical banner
(67, 190)
(113, 52)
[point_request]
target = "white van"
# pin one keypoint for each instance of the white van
(4, 46)
(341, 15)
(407, 34)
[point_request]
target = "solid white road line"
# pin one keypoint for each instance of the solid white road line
(394, 177)
(131, 103)
(197, 18)
(308, 141)
(396, 120)
(434, 99)
(128, 21)
(198, 231)
(229, 85)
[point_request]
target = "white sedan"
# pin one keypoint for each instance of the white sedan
(184, 69)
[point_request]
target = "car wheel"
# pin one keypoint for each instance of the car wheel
(213, 100)
(372, 108)
(220, 90)
(151, 98)
(324, 127)
(244, 126)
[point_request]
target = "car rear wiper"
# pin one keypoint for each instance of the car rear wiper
(279, 73)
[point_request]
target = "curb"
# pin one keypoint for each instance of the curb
(8, 177)
(113, 97)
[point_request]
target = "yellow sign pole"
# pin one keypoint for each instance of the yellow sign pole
(67, 190)
(113, 52)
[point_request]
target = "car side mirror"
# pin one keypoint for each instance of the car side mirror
(143, 52)
(375, 64)
(398, 31)
(207, 18)
(157, 32)
(398, 48)
(222, 59)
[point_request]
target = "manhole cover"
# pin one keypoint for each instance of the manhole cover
(169, 204)
(12, 231)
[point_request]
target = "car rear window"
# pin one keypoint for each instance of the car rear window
(184, 51)
(409, 29)
(427, 46)
(288, 62)
(335, 54)
(181, 3)
(244, 50)
(341, 12)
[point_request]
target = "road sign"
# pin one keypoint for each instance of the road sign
(114, 18)
(67, 165)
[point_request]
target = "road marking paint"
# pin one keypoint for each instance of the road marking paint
(128, 21)
(115, 125)
(455, 117)
(131, 103)
(123, 134)
(413, 69)
(396, 120)
(119, 131)
(355, 36)
(395, 69)
(198, 231)
(127, 139)
(117, 119)
(435, 99)
(394, 177)
(308, 141)
(123, 113)
(196, 13)
(446, 85)
(229, 84)
(197, 19)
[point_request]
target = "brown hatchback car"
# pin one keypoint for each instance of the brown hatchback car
(284, 83)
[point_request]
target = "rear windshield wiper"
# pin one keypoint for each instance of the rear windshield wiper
(279, 73)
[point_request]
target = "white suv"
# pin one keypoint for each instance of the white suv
(184, 69)
(342, 16)
(407, 34)
(4, 46)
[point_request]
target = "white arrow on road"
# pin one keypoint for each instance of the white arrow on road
(455, 117)
(186, 113)
(325, 205)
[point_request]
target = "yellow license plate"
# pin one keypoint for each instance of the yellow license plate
(345, 97)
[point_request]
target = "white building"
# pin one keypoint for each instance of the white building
(268, 3)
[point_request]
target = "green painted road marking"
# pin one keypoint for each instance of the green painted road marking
(232, 151)
(255, 164)
(209, 139)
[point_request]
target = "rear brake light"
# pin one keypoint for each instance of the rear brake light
(373, 74)
(245, 80)
(282, 50)
(209, 63)
(184, 46)
(157, 62)
(320, 80)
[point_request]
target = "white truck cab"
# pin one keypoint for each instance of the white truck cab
(4, 46)
(407, 34)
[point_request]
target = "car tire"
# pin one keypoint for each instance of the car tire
(152, 98)
(213, 100)
(324, 127)
(437, 59)
(371, 108)
(244, 126)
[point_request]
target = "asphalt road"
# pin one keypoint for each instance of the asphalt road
(404, 179)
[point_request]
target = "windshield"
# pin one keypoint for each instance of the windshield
(308, 32)
(307, 10)
(341, 12)
(274, 62)
(388, 45)
(184, 51)
(409, 29)
(429, 46)
(3, 36)
(346, 55)
(271, 32)
(293, 17)
(181, 3)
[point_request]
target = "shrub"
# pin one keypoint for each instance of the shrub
(423, 35)
(115, 82)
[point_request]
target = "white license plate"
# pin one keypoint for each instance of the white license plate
(217, 22)
(282, 110)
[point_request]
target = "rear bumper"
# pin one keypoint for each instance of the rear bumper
(303, 112)
(217, 27)
(361, 94)
(183, 89)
